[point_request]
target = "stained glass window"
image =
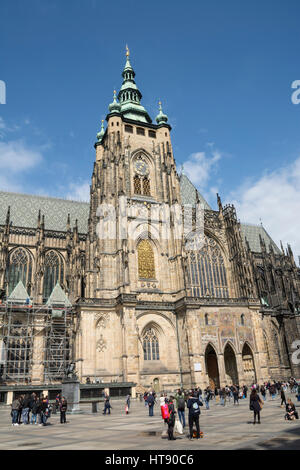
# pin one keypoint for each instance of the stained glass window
(207, 272)
(54, 272)
(150, 346)
(19, 269)
(146, 265)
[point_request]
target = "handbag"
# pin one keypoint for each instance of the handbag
(178, 427)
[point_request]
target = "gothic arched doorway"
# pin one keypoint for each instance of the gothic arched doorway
(230, 366)
(212, 368)
(156, 385)
(248, 364)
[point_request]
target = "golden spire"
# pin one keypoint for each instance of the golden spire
(127, 51)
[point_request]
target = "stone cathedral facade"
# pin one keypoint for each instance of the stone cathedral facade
(143, 308)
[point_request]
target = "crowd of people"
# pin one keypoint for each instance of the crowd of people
(32, 409)
(192, 400)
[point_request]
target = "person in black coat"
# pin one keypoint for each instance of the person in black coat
(171, 419)
(63, 409)
(282, 396)
(193, 405)
(255, 405)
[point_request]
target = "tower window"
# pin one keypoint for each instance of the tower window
(152, 134)
(140, 131)
(146, 186)
(128, 129)
(137, 185)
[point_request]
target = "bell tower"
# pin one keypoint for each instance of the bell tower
(133, 245)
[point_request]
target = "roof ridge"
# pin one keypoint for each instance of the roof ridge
(44, 197)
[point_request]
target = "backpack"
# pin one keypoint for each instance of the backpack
(181, 404)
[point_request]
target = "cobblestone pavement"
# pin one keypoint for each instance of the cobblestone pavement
(228, 427)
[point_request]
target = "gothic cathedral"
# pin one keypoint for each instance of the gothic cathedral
(126, 292)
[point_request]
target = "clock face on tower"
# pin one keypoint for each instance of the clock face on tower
(141, 167)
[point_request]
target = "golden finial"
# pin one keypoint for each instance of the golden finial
(127, 51)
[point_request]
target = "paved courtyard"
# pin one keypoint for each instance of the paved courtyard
(228, 427)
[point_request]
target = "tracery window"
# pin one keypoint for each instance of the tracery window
(19, 269)
(207, 272)
(54, 272)
(137, 185)
(146, 264)
(150, 346)
(146, 186)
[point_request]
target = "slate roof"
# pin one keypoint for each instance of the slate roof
(188, 193)
(252, 232)
(24, 209)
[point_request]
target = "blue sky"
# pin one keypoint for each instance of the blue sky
(223, 71)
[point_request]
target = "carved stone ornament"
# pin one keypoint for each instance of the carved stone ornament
(101, 344)
(101, 320)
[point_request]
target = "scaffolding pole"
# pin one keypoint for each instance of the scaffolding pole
(20, 324)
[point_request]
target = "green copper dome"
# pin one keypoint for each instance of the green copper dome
(161, 118)
(101, 133)
(114, 107)
(129, 96)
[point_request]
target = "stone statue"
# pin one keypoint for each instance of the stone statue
(70, 371)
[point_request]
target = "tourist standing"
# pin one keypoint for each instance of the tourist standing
(193, 405)
(181, 408)
(35, 410)
(235, 396)
(171, 419)
(107, 405)
(15, 411)
(63, 409)
(255, 405)
(150, 401)
(25, 409)
(283, 398)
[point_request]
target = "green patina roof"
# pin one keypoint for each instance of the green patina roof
(58, 297)
(19, 294)
(129, 97)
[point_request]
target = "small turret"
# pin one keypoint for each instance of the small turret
(161, 118)
(102, 132)
(114, 107)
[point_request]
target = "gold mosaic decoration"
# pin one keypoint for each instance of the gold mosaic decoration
(146, 263)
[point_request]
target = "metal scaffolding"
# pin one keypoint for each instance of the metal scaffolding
(35, 338)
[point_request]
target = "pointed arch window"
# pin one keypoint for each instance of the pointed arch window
(146, 264)
(206, 271)
(54, 272)
(150, 345)
(19, 269)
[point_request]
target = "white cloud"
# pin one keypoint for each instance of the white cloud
(79, 192)
(275, 199)
(200, 166)
(16, 159)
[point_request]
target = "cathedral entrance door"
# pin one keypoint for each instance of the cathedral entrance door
(212, 368)
(156, 385)
(230, 366)
(248, 364)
